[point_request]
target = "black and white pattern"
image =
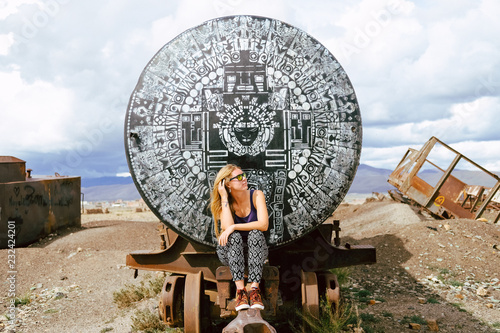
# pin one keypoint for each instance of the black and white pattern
(235, 254)
(252, 91)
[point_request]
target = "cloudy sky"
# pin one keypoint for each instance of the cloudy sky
(419, 68)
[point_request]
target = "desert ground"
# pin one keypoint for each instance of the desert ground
(437, 271)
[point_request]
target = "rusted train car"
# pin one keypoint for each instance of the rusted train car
(265, 95)
(435, 177)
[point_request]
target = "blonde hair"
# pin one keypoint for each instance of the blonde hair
(215, 200)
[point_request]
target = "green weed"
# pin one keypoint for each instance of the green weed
(343, 274)
(413, 319)
(387, 314)
(26, 299)
(331, 320)
(459, 307)
(106, 329)
(369, 318)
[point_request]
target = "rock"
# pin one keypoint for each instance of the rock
(433, 326)
(58, 295)
(422, 300)
(447, 227)
(482, 292)
(414, 326)
(489, 306)
(37, 286)
(71, 255)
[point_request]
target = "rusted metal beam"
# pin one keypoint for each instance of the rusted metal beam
(419, 160)
(443, 179)
(468, 160)
(181, 257)
(488, 200)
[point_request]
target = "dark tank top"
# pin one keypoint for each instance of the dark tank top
(249, 218)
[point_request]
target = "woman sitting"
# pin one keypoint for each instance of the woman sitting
(243, 219)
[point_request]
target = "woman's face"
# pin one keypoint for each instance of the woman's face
(234, 183)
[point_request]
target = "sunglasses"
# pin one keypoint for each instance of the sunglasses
(240, 177)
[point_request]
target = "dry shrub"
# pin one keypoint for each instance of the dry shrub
(147, 321)
(132, 293)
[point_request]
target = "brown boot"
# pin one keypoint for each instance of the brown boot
(256, 299)
(241, 299)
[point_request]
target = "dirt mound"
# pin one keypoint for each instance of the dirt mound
(452, 263)
(374, 219)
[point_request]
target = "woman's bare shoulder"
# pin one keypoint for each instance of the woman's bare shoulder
(258, 193)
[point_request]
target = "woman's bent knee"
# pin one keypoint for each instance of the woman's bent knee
(256, 234)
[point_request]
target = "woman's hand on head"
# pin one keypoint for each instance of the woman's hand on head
(222, 190)
(225, 235)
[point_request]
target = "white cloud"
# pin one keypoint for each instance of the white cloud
(6, 41)
(9, 7)
(123, 174)
(384, 158)
(35, 116)
(466, 121)
(420, 60)
(484, 153)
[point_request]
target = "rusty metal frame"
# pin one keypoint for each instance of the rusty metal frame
(307, 260)
(179, 256)
(448, 198)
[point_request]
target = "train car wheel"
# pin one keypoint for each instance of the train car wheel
(193, 295)
(329, 283)
(171, 299)
(310, 295)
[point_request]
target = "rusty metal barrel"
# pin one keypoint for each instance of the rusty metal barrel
(252, 91)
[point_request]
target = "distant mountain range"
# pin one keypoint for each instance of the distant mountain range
(127, 192)
(367, 180)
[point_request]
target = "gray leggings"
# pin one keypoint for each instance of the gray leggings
(233, 255)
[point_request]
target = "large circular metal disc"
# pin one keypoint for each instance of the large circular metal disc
(255, 92)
